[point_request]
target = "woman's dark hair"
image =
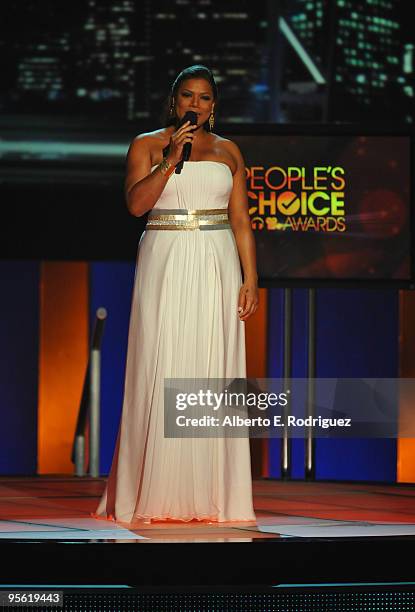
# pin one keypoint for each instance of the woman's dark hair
(192, 72)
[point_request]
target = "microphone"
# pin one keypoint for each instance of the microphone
(187, 147)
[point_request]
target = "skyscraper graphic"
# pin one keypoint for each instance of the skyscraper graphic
(361, 48)
(229, 37)
(36, 47)
(115, 60)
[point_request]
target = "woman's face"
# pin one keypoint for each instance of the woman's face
(195, 95)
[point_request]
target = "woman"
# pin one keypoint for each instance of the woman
(187, 318)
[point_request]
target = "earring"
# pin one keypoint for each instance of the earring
(172, 108)
(211, 121)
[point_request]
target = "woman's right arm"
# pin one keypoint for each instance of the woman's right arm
(143, 187)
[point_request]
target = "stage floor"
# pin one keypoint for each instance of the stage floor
(305, 532)
(26, 502)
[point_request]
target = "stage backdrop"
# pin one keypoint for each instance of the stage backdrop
(357, 330)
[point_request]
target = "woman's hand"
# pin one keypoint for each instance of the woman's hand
(177, 141)
(248, 300)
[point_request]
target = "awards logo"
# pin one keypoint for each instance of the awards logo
(297, 198)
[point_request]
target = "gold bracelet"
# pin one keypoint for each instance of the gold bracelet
(165, 166)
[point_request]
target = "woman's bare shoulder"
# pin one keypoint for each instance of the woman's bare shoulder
(151, 142)
(227, 145)
(228, 150)
(160, 134)
(156, 136)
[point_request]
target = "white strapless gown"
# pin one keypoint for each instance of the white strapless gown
(183, 324)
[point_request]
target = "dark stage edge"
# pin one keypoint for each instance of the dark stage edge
(260, 563)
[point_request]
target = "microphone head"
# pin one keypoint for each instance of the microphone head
(189, 116)
(187, 147)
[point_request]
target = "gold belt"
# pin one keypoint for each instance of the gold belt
(183, 219)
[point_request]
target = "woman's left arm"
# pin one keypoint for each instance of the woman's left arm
(241, 226)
